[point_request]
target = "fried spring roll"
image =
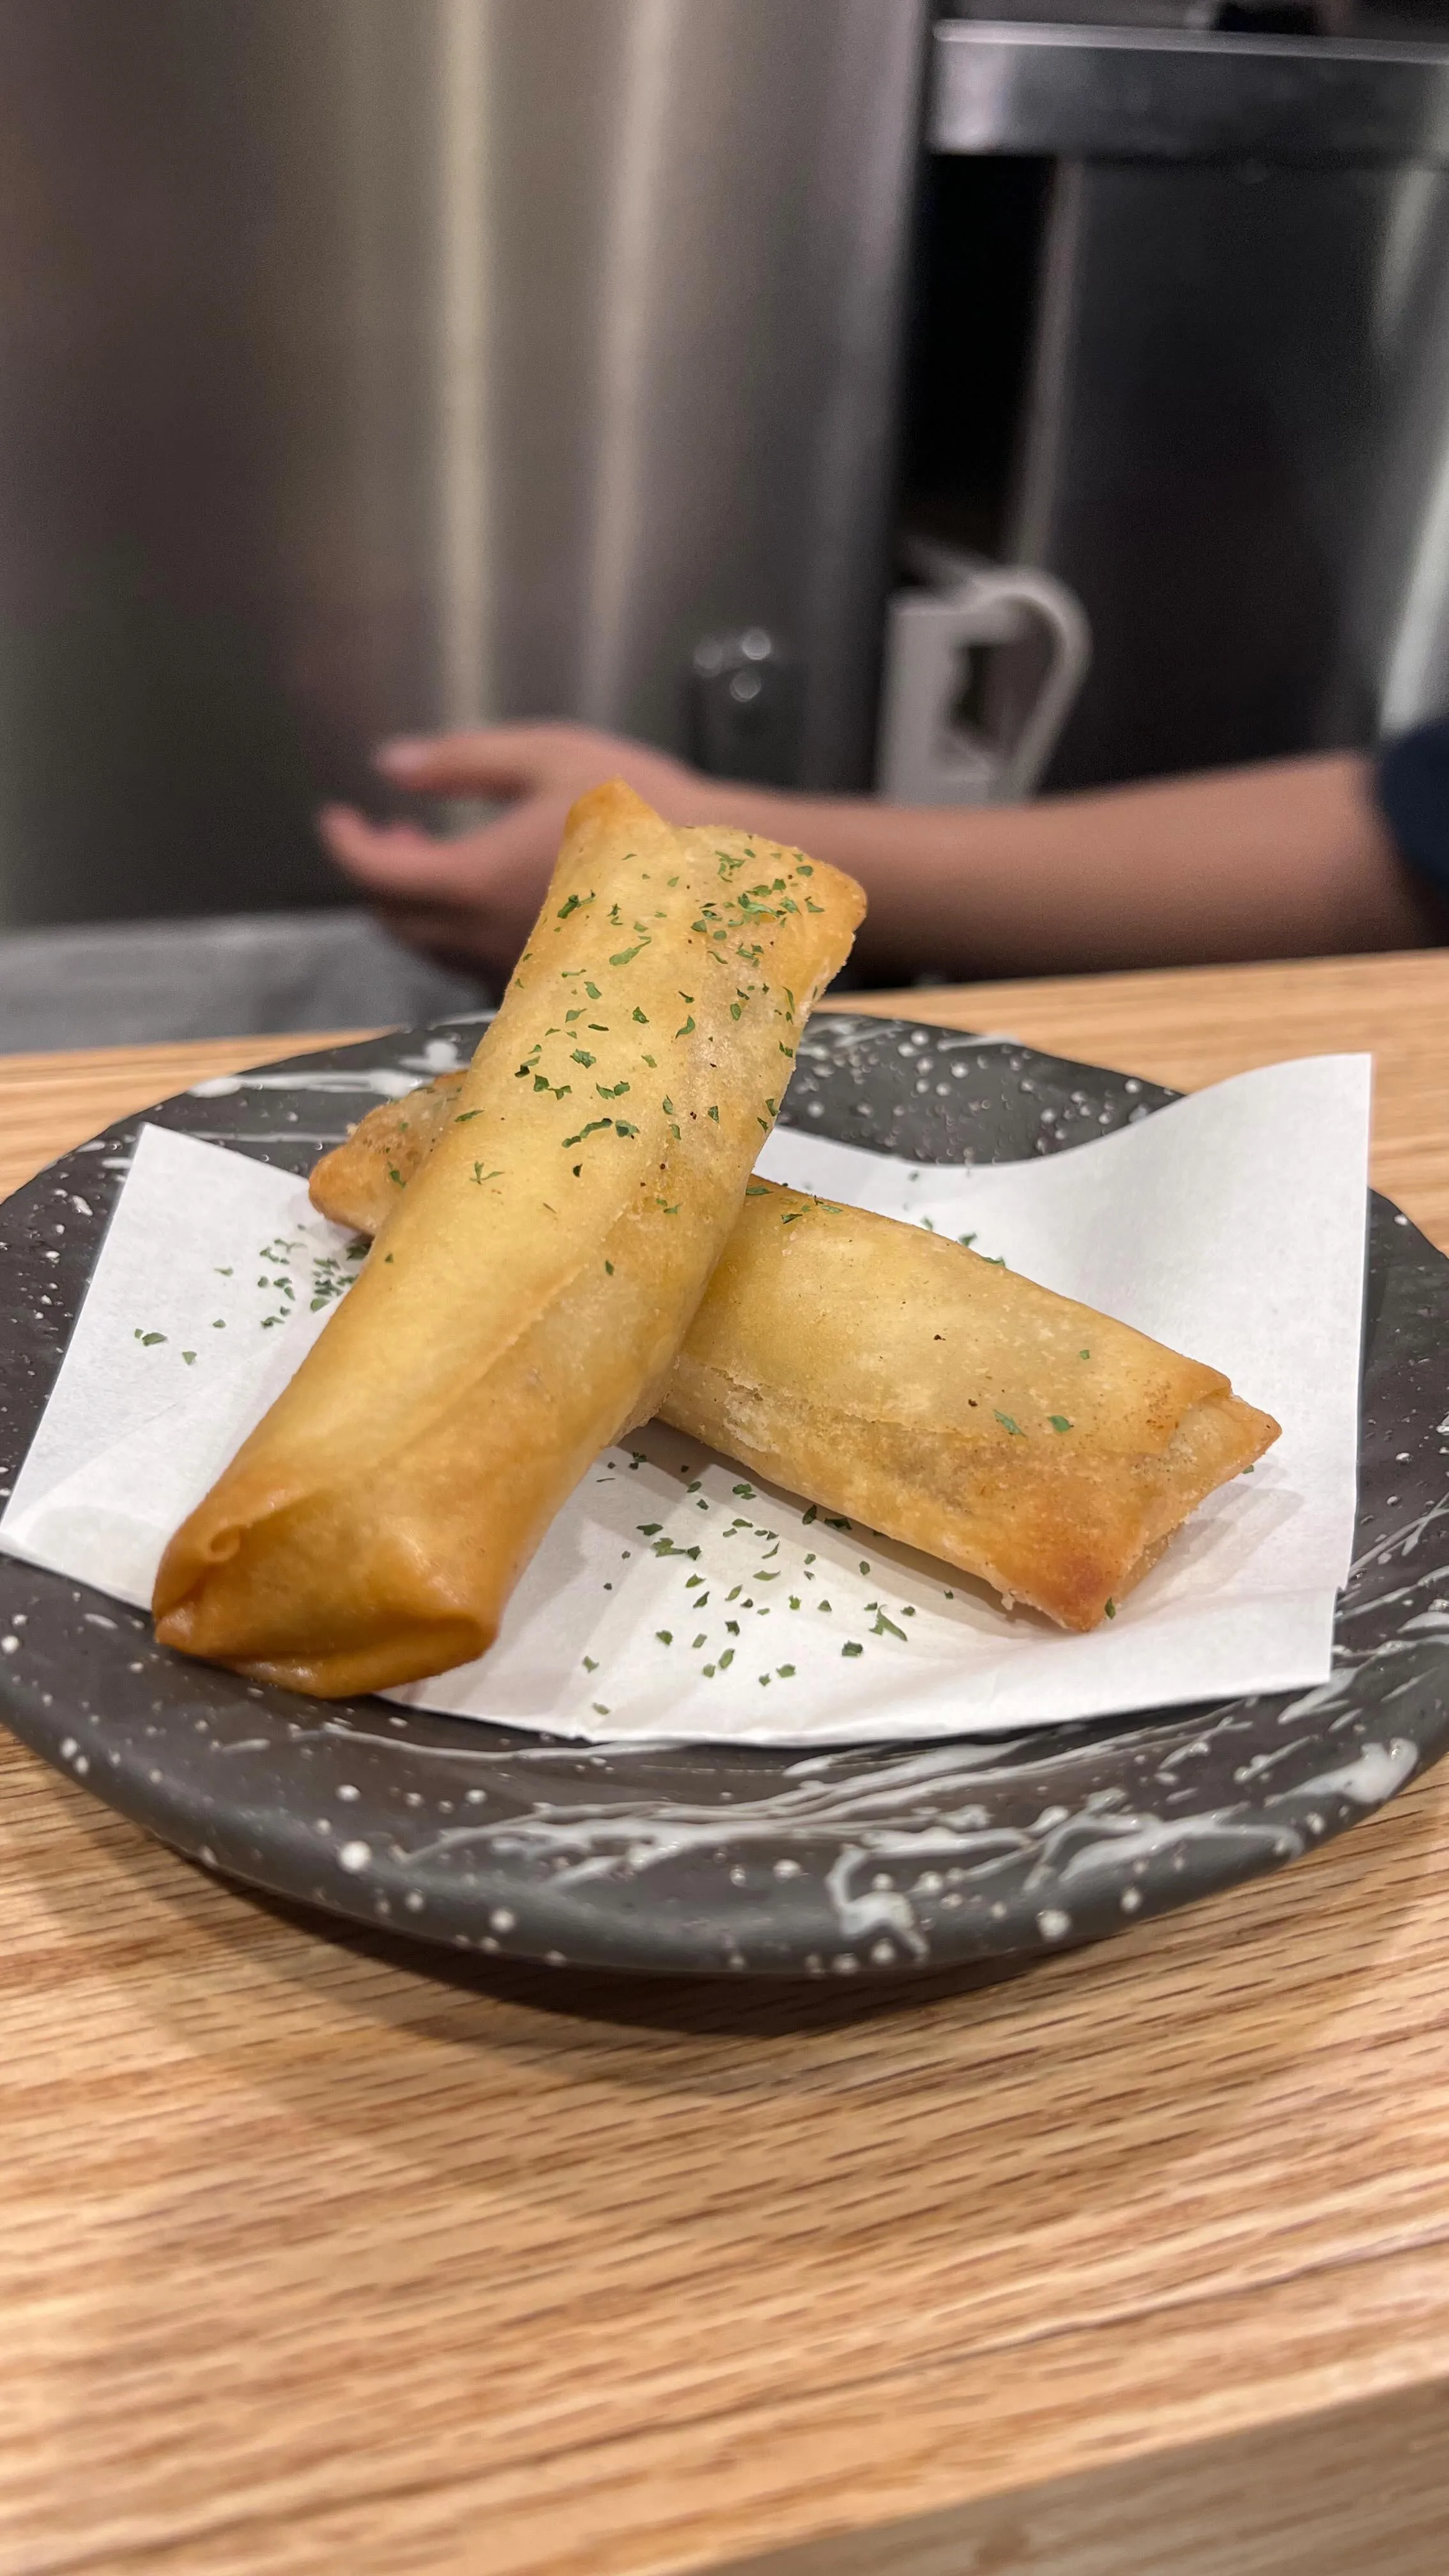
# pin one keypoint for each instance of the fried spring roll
(528, 1294)
(941, 1399)
(358, 1182)
(894, 1375)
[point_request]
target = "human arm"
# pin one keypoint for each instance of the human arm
(1287, 858)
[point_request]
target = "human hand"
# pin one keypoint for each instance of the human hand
(477, 895)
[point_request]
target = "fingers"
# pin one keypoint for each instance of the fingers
(475, 897)
(443, 935)
(398, 861)
(492, 879)
(501, 760)
(533, 761)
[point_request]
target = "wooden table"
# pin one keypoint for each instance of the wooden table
(317, 2257)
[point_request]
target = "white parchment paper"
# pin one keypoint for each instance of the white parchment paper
(675, 1597)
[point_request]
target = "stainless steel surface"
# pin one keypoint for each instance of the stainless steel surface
(1237, 454)
(1235, 447)
(1324, 17)
(1161, 94)
(251, 975)
(372, 364)
(748, 703)
(1396, 623)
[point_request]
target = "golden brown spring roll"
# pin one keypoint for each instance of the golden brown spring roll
(527, 1295)
(941, 1399)
(358, 1182)
(894, 1375)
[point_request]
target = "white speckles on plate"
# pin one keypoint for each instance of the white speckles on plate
(851, 1863)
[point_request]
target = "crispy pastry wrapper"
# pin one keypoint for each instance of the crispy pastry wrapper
(527, 1295)
(945, 1401)
(890, 1374)
(358, 1182)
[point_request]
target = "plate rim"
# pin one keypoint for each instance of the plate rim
(563, 1932)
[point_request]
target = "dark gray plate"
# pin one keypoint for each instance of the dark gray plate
(735, 1857)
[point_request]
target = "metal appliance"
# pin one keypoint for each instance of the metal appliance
(383, 364)
(1230, 415)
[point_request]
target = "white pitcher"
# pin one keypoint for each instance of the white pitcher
(928, 755)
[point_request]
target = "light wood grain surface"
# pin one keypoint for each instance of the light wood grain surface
(314, 2257)
(50, 1102)
(1191, 1025)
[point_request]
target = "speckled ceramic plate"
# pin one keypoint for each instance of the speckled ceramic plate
(857, 1861)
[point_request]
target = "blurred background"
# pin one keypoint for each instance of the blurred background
(838, 392)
